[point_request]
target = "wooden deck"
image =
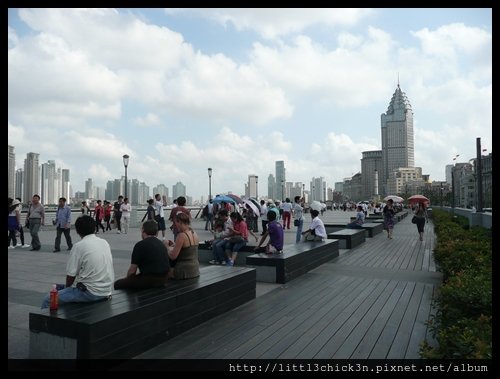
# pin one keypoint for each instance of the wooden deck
(370, 302)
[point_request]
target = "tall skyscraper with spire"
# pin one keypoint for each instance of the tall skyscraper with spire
(397, 135)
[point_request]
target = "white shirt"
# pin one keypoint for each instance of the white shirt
(318, 227)
(263, 212)
(91, 262)
(159, 208)
(287, 207)
(125, 208)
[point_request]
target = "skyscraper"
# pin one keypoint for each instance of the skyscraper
(49, 193)
(271, 187)
(252, 185)
(11, 174)
(280, 180)
(371, 162)
(397, 135)
(178, 189)
(20, 185)
(31, 176)
(65, 184)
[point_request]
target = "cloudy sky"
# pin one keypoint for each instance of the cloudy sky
(181, 90)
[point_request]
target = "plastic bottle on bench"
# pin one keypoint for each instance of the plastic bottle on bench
(54, 298)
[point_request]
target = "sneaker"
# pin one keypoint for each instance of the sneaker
(213, 262)
(229, 262)
(118, 232)
(11, 247)
(24, 246)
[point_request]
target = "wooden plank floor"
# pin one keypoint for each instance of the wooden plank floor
(370, 302)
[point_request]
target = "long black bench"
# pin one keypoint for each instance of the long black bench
(135, 321)
(205, 253)
(349, 238)
(295, 260)
(371, 228)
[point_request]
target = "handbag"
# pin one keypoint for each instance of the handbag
(414, 220)
(236, 239)
(27, 224)
(296, 222)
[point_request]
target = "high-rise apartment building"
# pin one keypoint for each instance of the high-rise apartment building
(318, 189)
(271, 187)
(252, 186)
(280, 180)
(89, 189)
(49, 193)
(397, 135)
(65, 184)
(371, 172)
(178, 189)
(31, 176)
(19, 185)
(11, 173)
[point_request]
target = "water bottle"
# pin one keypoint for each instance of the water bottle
(54, 298)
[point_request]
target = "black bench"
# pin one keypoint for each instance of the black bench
(205, 253)
(295, 260)
(372, 228)
(135, 321)
(349, 238)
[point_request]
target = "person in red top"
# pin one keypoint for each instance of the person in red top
(107, 213)
(237, 238)
(99, 215)
(181, 201)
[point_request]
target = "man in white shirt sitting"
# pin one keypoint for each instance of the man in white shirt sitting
(316, 231)
(89, 271)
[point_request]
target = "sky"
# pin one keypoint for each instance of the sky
(182, 90)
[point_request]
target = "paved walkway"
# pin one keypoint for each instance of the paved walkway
(370, 302)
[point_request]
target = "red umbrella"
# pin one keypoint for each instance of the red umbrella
(418, 199)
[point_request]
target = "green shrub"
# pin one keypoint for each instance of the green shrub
(466, 339)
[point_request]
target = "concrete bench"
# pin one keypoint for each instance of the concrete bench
(348, 238)
(135, 321)
(295, 260)
(372, 228)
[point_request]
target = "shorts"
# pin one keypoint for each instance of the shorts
(161, 222)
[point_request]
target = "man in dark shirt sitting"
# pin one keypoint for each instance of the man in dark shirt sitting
(150, 257)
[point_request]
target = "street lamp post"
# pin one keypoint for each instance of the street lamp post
(125, 163)
(303, 189)
(209, 183)
(256, 187)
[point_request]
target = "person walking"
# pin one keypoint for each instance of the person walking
(125, 208)
(421, 218)
(389, 217)
(298, 218)
(21, 231)
(34, 219)
(14, 221)
(63, 225)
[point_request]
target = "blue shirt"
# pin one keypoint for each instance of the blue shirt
(63, 216)
(275, 234)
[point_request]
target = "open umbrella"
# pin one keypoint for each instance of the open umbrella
(255, 210)
(255, 201)
(237, 199)
(223, 199)
(418, 199)
(396, 199)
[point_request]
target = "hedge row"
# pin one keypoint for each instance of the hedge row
(462, 323)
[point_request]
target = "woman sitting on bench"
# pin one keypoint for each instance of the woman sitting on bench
(183, 253)
(360, 219)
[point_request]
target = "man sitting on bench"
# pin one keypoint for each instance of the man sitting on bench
(316, 231)
(89, 271)
(275, 233)
(150, 257)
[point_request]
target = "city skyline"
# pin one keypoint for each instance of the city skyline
(239, 89)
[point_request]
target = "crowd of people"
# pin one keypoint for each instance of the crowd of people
(154, 259)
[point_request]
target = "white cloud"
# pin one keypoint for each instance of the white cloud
(448, 39)
(150, 119)
(347, 77)
(85, 63)
(272, 23)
